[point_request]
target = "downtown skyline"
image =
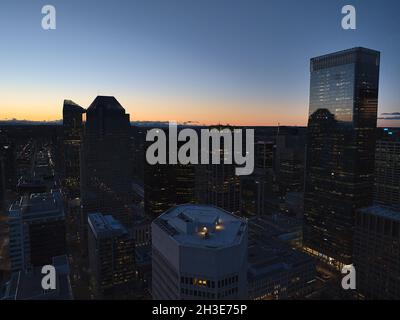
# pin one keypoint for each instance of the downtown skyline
(201, 63)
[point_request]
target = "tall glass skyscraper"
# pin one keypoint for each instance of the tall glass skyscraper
(106, 168)
(340, 149)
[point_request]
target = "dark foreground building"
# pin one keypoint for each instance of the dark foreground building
(340, 149)
(377, 252)
(111, 258)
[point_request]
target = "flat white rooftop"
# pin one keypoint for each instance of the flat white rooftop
(202, 226)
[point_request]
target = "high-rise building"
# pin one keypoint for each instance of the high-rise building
(2, 184)
(218, 184)
(106, 170)
(158, 189)
(37, 230)
(223, 186)
(377, 253)
(255, 186)
(72, 127)
(111, 257)
(8, 179)
(340, 149)
(199, 252)
(167, 185)
(290, 159)
(387, 169)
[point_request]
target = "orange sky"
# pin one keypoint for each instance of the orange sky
(33, 106)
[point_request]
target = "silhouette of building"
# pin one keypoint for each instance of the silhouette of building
(37, 230)
(199, 252)
(2, 183)
(7, 168)
(340, 150)
(377, 253)
(106, 170)
(72, 133)
(111, 257)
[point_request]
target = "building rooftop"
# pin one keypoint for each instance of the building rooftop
(105, 226)
(202, 226)
(346, 51)
(38, 205)
(382, 211)
(69, 105)
(105, 102)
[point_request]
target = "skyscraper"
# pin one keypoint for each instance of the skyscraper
(377, 253)
(199, 252)
(111, 257)
(7, 168)
(72, 127)
(106, 179)
(167, 185)
(387, 169)
(340, 149)
(37, 230)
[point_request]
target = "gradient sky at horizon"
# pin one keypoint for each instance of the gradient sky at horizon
(206, 61)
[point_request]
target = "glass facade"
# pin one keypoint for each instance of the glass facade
(340, 149)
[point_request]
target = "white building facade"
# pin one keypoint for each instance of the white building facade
(199, 252)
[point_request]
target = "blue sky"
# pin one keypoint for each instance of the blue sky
(186, 59)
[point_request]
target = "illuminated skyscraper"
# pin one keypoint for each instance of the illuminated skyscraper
(340, 149)
(72, 127)
(111, 257)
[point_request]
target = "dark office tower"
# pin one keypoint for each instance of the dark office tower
(37, 230)
(255, 186)
(106, 179)
(377, 253)
(72, 131)
(387, 169)
(158, 191)
(218, 184)
(7, 168)
(111, 257)
(290, 160)
(340, 150)
(2, 180)
(223, 187)
(264, 155)
(8, 154)
(167, 186)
